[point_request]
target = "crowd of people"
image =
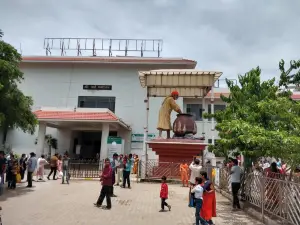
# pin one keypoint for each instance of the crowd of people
(13, 169)
(202, 193)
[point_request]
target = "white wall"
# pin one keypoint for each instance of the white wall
(57, 85)
(205, 123)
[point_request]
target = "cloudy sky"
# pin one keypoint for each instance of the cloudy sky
(232, 36)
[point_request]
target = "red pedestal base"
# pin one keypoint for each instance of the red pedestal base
(172, 152)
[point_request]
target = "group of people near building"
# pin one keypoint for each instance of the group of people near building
(116, 172)
(13, 168)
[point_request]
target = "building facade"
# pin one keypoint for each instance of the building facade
(108, 87)
(93, 84)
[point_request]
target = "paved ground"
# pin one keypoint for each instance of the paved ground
(51, 203)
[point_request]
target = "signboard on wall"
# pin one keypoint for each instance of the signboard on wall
(140, 137)
(97, 87)
(114, 145)
(137, 140)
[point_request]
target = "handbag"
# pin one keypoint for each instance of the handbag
(18, 178)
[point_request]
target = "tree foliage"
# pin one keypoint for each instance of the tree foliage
(15, 107)
(261, 119)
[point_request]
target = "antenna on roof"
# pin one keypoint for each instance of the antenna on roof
(104, 46)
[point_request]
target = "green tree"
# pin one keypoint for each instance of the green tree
(15, 107)
(261, 119)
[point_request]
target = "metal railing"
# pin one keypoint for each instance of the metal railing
(103, 46)
(84, 168)
(152, 169)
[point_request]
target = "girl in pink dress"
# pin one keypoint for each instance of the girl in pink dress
(59, 167)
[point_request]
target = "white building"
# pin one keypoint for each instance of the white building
(74, 94)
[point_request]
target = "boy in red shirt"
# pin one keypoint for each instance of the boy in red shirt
(164, 194)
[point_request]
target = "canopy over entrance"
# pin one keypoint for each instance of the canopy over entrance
(190, 83)
(67, 120)
(78, 117)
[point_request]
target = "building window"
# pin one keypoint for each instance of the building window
(97, 102)
(195, 110)
(216, 108)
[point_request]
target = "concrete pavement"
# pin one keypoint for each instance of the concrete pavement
(51, 203)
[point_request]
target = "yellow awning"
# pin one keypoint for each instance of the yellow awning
(188, 82)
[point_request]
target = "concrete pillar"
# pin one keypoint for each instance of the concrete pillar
(64, 139)
(41, 139)
(212, 99)
(104, 148)
(126, 136)
(203, 120)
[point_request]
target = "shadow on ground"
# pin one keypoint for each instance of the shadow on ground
(21, 190)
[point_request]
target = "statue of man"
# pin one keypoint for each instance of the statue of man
(164, 118)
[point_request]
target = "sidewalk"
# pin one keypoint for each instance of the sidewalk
(50, 202)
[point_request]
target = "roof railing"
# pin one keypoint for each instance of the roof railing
(103, 47)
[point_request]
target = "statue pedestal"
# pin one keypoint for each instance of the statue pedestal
(171, 153)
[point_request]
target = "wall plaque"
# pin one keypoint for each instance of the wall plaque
(97, 87)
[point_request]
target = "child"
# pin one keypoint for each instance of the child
(198, 197)
(164, 194)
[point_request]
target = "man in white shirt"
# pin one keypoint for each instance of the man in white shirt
(236, 173)
(198, 197)
(195, 168)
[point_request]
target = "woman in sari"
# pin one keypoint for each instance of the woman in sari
(208, 210)
(183, 169)
(136, 164)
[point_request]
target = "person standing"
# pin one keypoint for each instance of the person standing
(119, 170)
(106, 181)
(12, 172)
(195, 168)
(59, 166)
(41, 168)
(183, 169)
(198, 198)
(65, 168)
(3, 163)
(236, 173)
(22, 165)
(114, 165)
(164, 116)
(31, 167)
(127, 171)
(136, 164)
(53, 166)
(209, 207)
(164, 191)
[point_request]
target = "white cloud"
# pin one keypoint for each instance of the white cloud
(227, 35)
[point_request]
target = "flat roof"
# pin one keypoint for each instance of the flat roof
(109, 60)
